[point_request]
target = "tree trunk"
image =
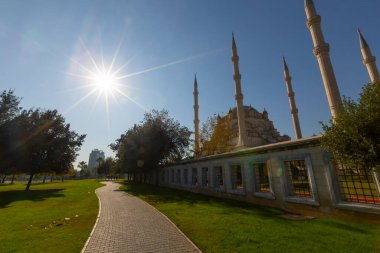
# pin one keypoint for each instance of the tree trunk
(63, 178)
(43, 180)
(13, 178)
(3, 179)
(51, 179)
(29, 182)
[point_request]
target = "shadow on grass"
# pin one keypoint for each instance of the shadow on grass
(8, 197)
(346, 227)
(158, 194)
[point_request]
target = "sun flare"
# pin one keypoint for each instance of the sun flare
(104, 82)
(107, 81)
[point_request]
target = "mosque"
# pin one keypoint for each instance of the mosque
(263, 167)
(250, 128)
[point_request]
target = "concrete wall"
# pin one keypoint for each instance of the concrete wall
(324, 198)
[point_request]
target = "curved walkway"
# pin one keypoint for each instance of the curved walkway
(128, 224)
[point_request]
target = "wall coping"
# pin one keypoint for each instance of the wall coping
(243, 151)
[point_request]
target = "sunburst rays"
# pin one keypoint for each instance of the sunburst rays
(108, 81)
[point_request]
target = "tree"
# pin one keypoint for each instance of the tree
(353, 137)
(9, 106)
(34, 141)
(70, 172)
(106, 167)
(9, 109)
(84, 172)
(41, 141)
(156, 141)
(99, 160)
(215, 135)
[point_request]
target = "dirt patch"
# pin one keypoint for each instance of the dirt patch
(296, 217)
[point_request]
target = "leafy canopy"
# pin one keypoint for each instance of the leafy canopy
(354, 136)
(9, 110)
(157, 140)
(35, 141)
(9, 106)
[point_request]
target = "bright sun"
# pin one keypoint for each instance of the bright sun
(104, 82)
(107, 81)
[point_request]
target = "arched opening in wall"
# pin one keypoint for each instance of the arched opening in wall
(358, 185)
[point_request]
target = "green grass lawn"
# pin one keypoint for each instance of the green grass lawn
(34, 221)
(218, 225)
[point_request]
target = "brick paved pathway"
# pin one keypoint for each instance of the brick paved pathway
(128, 224)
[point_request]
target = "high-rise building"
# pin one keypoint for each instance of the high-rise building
(93, 160)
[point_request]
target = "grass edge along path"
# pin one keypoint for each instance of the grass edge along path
(51, 217)
(220, 225)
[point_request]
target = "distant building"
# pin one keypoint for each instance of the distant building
(92, 161)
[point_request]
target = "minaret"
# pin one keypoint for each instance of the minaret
(196, 118)
(321, 52)
(369, 60)
(238, 95)
(292, 102)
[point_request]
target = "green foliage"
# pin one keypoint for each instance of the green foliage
(9, 109)
(221, 225)
(157, 140)
(353, 137)
(9, 106)
(84, 171)
(35, 141)
(107, 167)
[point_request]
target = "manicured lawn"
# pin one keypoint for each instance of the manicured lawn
(217, 225)
(34, 221)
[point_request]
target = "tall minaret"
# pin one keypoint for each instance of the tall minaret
(238, 95)
(292, 102)
(196, 118)
(369, 60)
(321, 52)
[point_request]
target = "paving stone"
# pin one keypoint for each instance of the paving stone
(128, 224)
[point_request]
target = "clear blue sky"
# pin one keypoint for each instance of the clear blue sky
(42, 43)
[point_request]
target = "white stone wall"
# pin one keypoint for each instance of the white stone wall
(324, 198)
